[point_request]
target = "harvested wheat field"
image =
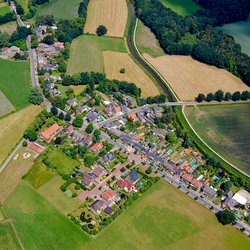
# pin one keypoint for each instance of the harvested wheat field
(188, 77)
(115, 61)
(110, 13)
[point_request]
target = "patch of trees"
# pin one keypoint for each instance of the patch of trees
(7, 17)
(226, 11)
(35, 96)
(220, 96)
(208, 46)
(82, 10)
(226, 217)
(101, 30)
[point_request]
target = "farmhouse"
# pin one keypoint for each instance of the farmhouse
(10, 52)
(50, 132)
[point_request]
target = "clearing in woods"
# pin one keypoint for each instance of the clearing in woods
(86, 52)
(115, 61)
(162, 218)
(9, 27)
(226, 129)
(13, 126)
(188, 77)
(113, 14)
(182, 7)
(5, 105)
(65, 9)
(146, 41)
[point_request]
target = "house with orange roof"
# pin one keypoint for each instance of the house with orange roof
(37, 148)
(109, 196)
(117, 110)
(50, 132)
(187, 178)
(125, 184)
(133, 117)
(183, 164)
(187, 151)
(97, 147)
(189, 169)
(196, 184)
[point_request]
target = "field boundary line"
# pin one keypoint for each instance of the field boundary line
(183, 112)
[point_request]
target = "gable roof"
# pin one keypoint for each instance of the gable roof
(187, 177)
(98, 171)
(36, 147)
(86, 179)
(133, 176)
(109, 211)
(47, 133)
(196, 183)
(108, 195)
(97, 205)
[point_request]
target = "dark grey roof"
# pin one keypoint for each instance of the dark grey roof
(109, 211)
(97, 205)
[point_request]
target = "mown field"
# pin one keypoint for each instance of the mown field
(188, 77)
(9, 27)
(182, 7)
(15, 82)
(146, 41)
(13, 126)
(6, 106)
(86, 52)
(113, 14)
(115, 61)
(226, 129)
(64, 9)
(163, 218)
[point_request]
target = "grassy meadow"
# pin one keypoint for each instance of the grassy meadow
(4, 9)
(15, 82)
(163, 218)
(146, 41)
(86, 52)
(24, 4)
(6, 106)
(64, 9)
(182, 7)
(9, 27)
(226, 129)
(13, 126)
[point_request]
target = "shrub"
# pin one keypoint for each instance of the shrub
(25, 144)
(122, 70)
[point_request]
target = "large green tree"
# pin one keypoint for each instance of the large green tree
(226, 217)
(35, 96)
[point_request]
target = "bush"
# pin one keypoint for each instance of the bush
(74, 195)
(122, 71)
(25, 144)
(149, 170)
(63, 188)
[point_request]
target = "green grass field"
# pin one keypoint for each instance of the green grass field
(8, 240)
(61, 161)
(226, 129)
(64, 9)
(182, 7)
(86, 52)
(5, 105)
(15, 82)
(24, 4)
(146, 41)
(4, 10)
(163, 218)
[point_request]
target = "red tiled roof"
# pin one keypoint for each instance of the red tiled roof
(97, 146)
(187, 177)
(196, 183)
(133, 117)
(124, 184)
(36, 148)
(108, 195)
(47, 133)
(183, 164)
(117, 109)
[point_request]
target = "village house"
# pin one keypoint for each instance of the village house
(77, 136)
(87, 180)
(110, 196)
(109, 157)
(86, 141)
(70, 129)
(109, 211)
(186, 178)
(125, 184)
(133, 177)
(71, 102)
(196, 184)
(50, 132)
(209, 192)
(92, 117)
(133, 117)
(117, 110)
(97, 147)
(98, 172)
(97, 206)
(230, 203)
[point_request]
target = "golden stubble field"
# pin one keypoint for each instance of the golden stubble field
(112, 14)
(188, 77)
(115, 61)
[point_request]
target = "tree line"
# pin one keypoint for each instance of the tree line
(10, 16)
(220, 96)
(194, 35)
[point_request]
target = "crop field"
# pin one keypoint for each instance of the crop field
(241, 33)
(86, 52)
(64, 9)
(13, 126)
(8, 238)
(188, 77)
(12, 174)
(9, 27)
(163, 218)
(5, 105)
(226, 129)
(63, 163)
(15, 82)
(59, 199)
(182, 7)
(112, 14)
(146, 41)
(114, 62)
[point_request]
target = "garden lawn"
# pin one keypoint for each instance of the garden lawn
(163, 218)
(13, 126)
(182, 7)
(52, 192)
(146, 41)
(86, 52)
(8, 240)
(62, 162)
(15, 82)
(226, 129)
(65, 9)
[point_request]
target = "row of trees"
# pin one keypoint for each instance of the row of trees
(193, 35)
(220, 96)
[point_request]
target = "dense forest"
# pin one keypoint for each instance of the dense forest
(226, 11)
(193, 35)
